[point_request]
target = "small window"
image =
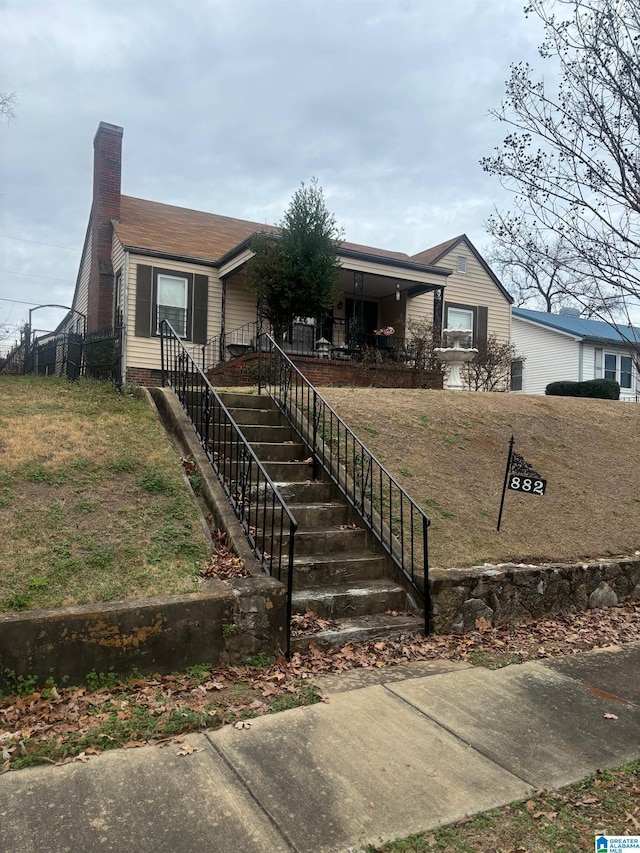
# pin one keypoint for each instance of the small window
(172, 302)
(516, 375)
(461, 264)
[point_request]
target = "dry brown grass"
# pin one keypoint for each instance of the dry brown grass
(449, 450)
(93, 502)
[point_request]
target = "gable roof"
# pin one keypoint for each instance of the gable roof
(593, 331)
(430, 256)
(437, 253)
(181, 232)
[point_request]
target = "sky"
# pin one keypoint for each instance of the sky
(228, 105)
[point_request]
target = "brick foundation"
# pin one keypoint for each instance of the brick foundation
(144, 376)
(325, 371)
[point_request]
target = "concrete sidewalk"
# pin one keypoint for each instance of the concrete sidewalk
(394, 751)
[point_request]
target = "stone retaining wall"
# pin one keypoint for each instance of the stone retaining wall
(516, 593)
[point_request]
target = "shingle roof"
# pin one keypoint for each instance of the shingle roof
(180, 231)
(430, 256)
(589, 330)
(192, 233)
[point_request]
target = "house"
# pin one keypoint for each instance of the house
(564, 346)
(144, 261)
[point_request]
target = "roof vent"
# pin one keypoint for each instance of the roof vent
(569, 311)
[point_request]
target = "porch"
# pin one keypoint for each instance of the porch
(396, 364)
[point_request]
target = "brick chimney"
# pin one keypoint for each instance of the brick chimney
(107, 162)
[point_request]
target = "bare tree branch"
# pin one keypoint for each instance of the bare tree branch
(8, 105)
(572, 156)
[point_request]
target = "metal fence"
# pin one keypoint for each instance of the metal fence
(267, 521)
(393, 517)
(96, 355)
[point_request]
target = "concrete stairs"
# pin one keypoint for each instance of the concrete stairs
(340, 571)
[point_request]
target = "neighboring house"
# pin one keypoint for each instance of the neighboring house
(562, 346)
(146, 261)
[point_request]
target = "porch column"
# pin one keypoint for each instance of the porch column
(438, 299)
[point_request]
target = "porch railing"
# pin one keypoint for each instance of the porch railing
(308, 340)
(267, 521)
(227, 346)
(394, 518)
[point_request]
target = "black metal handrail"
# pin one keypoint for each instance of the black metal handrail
(257, 502)
(394, 518)
(228, 345)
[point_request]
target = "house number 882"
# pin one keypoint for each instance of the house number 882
(528, 485)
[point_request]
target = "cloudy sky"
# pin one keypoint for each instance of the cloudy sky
(227, 105)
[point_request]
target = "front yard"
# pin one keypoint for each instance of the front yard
(94, 505)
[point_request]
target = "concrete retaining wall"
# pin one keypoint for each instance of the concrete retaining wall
(516, 593)
(160, 634)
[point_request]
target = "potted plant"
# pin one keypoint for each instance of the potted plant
(383, 335)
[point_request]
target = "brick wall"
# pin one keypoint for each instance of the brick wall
(324, 371)
(144, 376)
(107, 164)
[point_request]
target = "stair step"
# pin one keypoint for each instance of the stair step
(316, 516)
(279, 452)
(289, 472)
(267, 433)
(361, 629)
(352, 599)
(311, 517)
(256, 417)
(328, 541)
(309, 491)
(328, 569)
(233, 399)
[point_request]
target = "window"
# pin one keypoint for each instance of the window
(516, 375)
(619, 368)
(172, 302)
(457, 315)
(459, 318)
(461, 264)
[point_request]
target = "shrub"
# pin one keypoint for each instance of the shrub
(603, 389)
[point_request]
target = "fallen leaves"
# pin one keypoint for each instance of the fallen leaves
(224, 564)
(187, 749)
(310, 623)
(50, 724)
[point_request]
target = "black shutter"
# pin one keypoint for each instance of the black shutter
(481, 320)
(143, 301)
(200, 300)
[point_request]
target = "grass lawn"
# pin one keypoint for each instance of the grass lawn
(94, 505)
(449, 451)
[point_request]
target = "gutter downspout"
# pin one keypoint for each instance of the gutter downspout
(125, 318)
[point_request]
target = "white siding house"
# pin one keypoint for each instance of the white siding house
(556, 347)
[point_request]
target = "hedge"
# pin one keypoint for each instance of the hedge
(604, 389)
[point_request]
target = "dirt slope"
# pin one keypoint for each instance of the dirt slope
(449, 450)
